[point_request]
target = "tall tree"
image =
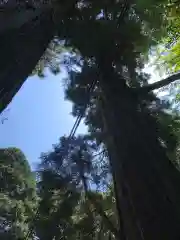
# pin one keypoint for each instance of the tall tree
(128, 120)
(22, 46)
(168, 48)
(69, 207)
(18, 197)
(112, 55)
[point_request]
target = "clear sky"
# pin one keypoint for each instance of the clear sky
(37, 117)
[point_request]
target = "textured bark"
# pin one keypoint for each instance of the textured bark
(149, 185)
(21, 49)
(10, 20)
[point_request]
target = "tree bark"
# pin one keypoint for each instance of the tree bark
(15, 19)
(21, 49)
(149, 185)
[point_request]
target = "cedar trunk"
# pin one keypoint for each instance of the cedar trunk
(21, 49)
(148, 185)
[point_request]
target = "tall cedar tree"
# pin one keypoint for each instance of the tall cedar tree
(147, 183)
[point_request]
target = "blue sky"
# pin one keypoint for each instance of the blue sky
(37, 117)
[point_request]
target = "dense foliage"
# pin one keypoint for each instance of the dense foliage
(168, 48)
(73, 203)
(17, 195)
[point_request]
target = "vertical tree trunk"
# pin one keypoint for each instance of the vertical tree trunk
(148, 184)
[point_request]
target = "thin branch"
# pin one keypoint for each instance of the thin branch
(100, 153)
(159, 84)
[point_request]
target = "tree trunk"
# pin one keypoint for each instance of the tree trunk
(21, 49)
(148, 184)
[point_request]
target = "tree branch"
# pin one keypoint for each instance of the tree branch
(159, 84)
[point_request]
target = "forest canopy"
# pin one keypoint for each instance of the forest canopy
(121, 179)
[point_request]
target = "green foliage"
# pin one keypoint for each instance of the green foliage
(51, 59)
(170, 129)
(168, 50)
(91, 26)
(169, 57)
(66, 177)
(18, 194)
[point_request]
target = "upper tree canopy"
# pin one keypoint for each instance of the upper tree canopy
(121, 30)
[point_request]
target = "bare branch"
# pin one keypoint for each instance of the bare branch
(159, 84)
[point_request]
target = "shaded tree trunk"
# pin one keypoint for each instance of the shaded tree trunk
(147, 183)
(21, 49)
